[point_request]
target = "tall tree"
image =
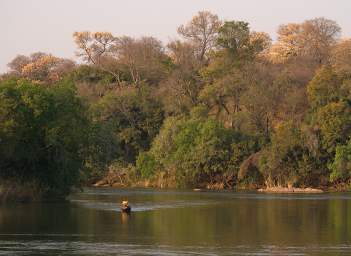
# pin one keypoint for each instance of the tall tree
(179, 91)
(95, 48)
(311, 39)
(41, 67)
(202, 32)
(123, 57)
(142, 58)
(341, 57)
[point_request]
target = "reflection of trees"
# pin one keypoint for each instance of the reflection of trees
(280, 222)
(228, 222)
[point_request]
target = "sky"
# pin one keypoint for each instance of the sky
(28, 26)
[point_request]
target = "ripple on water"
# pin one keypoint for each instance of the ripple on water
(140, 207)
(70, 248)
(226, 194)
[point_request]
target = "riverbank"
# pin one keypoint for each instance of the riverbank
(221, 187)
(164, 182)
(161, 183)
(290, 190)
(17, 192)
(25, 192)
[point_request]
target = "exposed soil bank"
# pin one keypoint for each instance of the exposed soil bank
(290, 190)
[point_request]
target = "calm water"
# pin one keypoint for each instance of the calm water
(179, 223)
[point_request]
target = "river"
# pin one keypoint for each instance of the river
(179, 222)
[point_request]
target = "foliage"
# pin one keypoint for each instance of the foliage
(287, 161)
(334, 121)
(197, 149)
(311, 40)
(324, 88)
(133, 115)
(220, 105)
(146, 164)
(42, 134)
(201, 31)
(41, 67)
(341, 167)
(341, 57)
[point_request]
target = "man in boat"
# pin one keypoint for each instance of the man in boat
(125, 207)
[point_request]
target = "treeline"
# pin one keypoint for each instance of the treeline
(222, 107)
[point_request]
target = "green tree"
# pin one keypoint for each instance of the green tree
(341, 167)
(324, 88)
(146, 164)
(134, 116)
(334, 123)
(198, 150)
(287, 161)
(42, 135)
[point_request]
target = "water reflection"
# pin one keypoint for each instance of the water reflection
(125, 217)
(176, 223)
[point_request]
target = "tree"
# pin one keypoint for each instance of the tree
(287, 161)
(320, 34)
(289, 43)
(146, 164)
(133, 115)
(143, 59)
(197, 150)
(93, 47)
(235, 37)
(183, 56)
(92, 82)
(42, 134)
(17, 64)
(180, 89)
(341, 167)
(96, 48)
(341, 57)
(224, 96)
(324, 88)
(41, 67)
(127, 59)
(312, 39)
(334, 123)
(202, 32)
(231, 70)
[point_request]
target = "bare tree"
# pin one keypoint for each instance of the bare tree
(319, 35)
(141, 58)
(202, 32)
(95, 48)
(17, 64)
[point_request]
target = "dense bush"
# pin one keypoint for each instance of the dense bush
(195, 150)
(341, 167)
(132, 116)
(287, 161)
(42, 134)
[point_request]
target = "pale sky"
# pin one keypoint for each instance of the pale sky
(28, 26)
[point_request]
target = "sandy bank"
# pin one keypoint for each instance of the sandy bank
(290, 190)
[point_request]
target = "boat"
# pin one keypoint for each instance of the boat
(125, 207)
